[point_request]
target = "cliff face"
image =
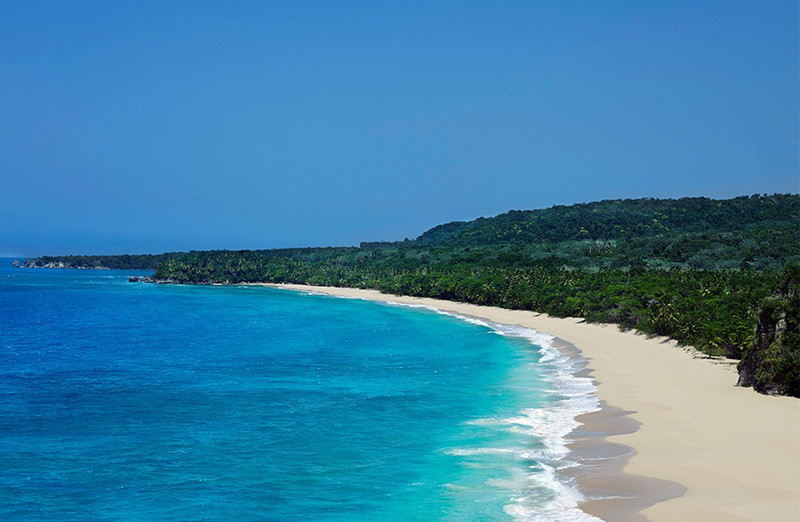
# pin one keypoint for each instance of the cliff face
(40, 263)
(118, 262)
(772, 363)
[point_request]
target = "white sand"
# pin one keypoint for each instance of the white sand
(737, 452)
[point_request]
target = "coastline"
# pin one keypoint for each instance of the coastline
(702, 448)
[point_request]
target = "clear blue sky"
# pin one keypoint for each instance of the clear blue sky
(143, 127)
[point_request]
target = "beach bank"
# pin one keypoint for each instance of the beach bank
(703, 449)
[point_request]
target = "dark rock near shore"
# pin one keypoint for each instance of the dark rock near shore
(772, 363)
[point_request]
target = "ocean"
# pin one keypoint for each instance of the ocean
(138, 401)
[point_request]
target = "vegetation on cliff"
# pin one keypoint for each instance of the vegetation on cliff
(772, 362)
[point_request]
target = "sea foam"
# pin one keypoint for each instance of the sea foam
(547, 496)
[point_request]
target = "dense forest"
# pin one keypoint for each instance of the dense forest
(694, 269)
(750, 232)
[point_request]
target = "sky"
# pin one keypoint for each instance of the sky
(145, 127)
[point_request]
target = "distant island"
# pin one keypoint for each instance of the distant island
(720, 275)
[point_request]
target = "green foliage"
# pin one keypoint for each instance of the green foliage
(624, 219)
(749, 233)
(781, 364)
(772, 361)
(757, 232)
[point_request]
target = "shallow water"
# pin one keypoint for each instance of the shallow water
(140, 401)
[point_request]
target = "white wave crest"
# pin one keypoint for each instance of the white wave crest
(548, 497)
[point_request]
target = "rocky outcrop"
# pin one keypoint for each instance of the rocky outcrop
(139, 279)
(100, 262)
(772, 363)
(40, 263)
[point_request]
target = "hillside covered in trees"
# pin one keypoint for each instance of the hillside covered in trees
(694, 269)
(755, 232)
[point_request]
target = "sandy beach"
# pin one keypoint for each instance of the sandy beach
(703, 449)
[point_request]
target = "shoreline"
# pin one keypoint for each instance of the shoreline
(610, 493)
(698, 447)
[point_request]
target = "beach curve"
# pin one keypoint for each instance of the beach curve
(703, 449)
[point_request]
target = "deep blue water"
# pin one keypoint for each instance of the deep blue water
(133, 401)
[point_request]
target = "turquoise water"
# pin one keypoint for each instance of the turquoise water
(133, 401)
